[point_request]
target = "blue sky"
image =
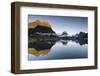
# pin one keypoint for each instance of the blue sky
(72, 25)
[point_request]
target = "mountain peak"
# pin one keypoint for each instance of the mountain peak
(38, 23)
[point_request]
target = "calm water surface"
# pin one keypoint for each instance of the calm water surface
(57, 50)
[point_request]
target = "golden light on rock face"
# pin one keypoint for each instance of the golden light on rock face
(38, 23)
(38, 52)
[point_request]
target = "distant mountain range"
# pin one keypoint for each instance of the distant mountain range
(42, 30)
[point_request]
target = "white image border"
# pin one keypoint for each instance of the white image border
(25, 64)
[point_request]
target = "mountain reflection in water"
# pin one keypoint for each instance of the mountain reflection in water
(57, 49)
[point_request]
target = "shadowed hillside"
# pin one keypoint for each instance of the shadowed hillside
(40, 28)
